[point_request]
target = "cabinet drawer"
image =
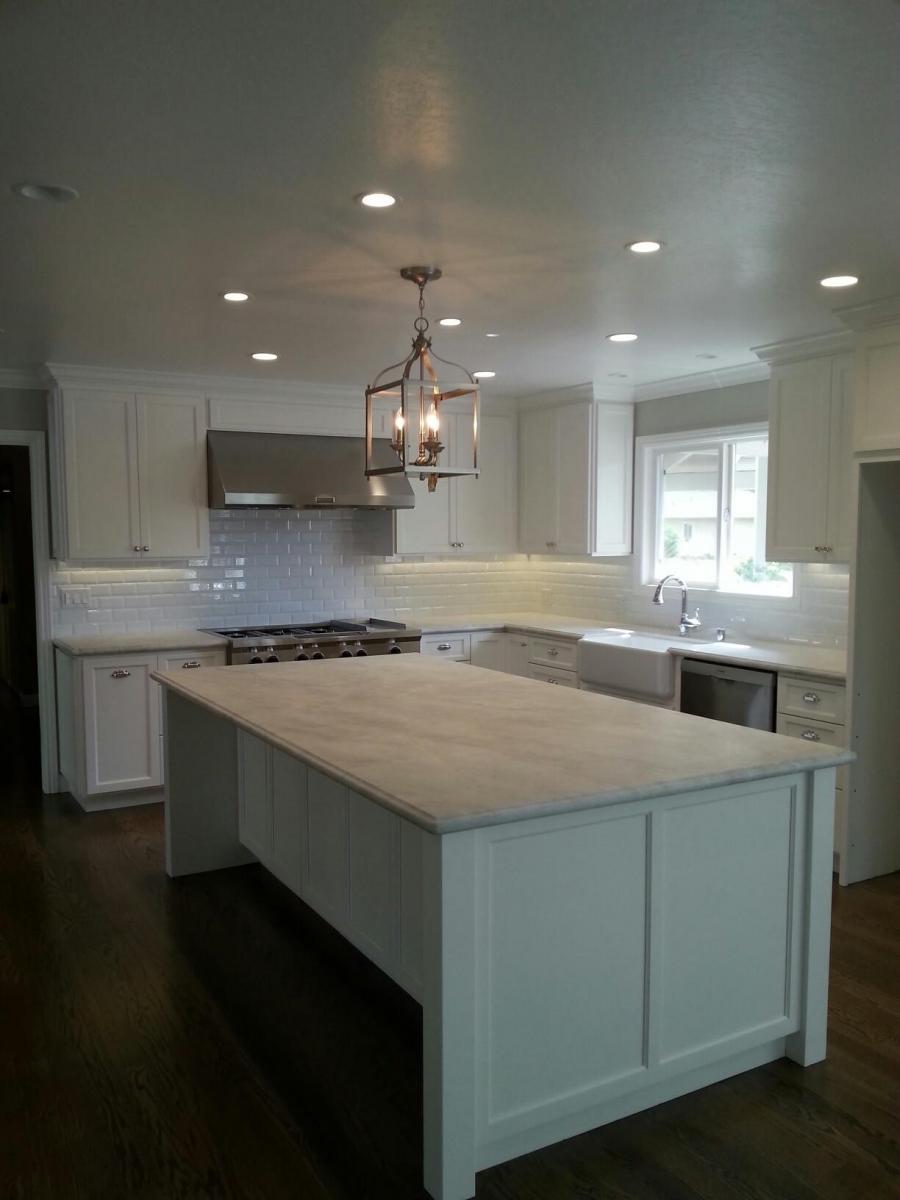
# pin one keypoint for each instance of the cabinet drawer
(450, 645)
(547, 652)
(552, 675)
(184, 661)
(807, 697)
(815, 731)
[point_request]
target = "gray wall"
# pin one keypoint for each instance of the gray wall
(744, 402)
(21, 408)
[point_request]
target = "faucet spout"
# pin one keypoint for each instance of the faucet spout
(686, 623)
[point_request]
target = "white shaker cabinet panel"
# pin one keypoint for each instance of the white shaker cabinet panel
(808, 501)
(289, 778)
(485, 508)
(877, 424)
(102, 516)
(538, 467)
(172, 473)
(254, 796)
(326, 882)
(489, 650)
(425, 529)
(518, 653)
(573, 479)
(121, 721)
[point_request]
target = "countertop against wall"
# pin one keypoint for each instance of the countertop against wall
(819, 661)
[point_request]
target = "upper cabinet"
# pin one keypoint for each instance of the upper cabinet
(877, 387)
(468, 515)
(129, 475)
(810, 418)
(575, 483)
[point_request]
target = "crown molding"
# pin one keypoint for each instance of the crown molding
(68, 375)
(873, 313)
(702, 381)
(575, 394)
(23, 378)
(816, 345)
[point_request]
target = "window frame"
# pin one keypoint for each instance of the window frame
(649, 502)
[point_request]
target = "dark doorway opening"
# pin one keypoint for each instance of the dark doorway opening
(18, 635)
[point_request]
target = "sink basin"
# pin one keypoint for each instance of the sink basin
(636, 664)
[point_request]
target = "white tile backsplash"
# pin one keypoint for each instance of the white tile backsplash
(266, 567)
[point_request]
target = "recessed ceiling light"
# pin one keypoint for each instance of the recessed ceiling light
(450, 321)
(484, 374)
(647, 247)
(377, 199)
(839, 281)
(54, 192)
(617, 375)
(236, 297)
(621, 337)
(707, 356)
(492, 335)
(264, 356)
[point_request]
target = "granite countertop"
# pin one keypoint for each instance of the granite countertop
(136, 643)
(819, 661)
(450, 746)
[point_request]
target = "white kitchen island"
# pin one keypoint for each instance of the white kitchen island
(599, 905)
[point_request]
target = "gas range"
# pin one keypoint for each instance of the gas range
(317, 640)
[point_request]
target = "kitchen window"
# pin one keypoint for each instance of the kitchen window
(704, 512)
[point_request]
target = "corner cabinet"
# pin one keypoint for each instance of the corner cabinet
(468, 515)
(810, 460)
(576, 479)
(129, 475)
(877, 424)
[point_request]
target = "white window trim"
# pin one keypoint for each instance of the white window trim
(647, 500)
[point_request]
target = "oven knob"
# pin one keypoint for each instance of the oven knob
(318, 654)
(302, 657)
(345, 653)
(255, 659)
(272, 658)
(394, 649)
(360, 651)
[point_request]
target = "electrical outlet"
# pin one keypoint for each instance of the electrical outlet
(75, 597)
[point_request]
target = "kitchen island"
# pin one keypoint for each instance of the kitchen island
(599, 905)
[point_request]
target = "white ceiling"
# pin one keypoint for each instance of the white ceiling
(219, 143)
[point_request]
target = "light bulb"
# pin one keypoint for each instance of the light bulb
(399, 419)
(433, 421)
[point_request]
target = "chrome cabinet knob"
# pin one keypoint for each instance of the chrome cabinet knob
(810, 735)
(811, 697)
(119, 673)
(190, 666)
(552, 651)
(145, 548)
(444, 646)
(137, 549)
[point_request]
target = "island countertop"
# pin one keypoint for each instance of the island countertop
(450, 746)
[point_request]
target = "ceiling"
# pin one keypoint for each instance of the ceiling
(219, 144)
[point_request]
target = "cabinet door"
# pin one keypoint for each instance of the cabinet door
(485, 508)
(172, 467)
(799, 461)
(573, 478)
(877, 380)
(613, 474)
(538, 481)
(101, 476)
(121, 718)
(425, 529)
(517, 654)
(489, 650)
(840, 467)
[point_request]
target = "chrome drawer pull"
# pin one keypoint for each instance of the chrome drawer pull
(119, 674)
(810, 735)
(552, 651)
(444, 646)
(187, 666)
(811, 698)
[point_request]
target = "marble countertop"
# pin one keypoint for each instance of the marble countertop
(799, 657)
(451, 746)
(136, 643)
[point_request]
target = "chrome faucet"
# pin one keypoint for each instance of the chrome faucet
(686, 623)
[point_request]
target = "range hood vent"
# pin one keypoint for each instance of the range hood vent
(289, 470)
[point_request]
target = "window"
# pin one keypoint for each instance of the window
(705, 512)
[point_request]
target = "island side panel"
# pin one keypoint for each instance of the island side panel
(201, 789)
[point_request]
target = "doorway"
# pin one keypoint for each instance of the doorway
(27, 683)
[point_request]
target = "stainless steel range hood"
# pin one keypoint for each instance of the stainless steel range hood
(286, 470)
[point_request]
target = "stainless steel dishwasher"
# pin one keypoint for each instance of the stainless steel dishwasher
(733, 694)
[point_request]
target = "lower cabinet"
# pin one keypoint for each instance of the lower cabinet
(357, 864)
(110, 723)
(548, 659)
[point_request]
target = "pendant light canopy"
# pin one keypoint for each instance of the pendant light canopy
(432, 421)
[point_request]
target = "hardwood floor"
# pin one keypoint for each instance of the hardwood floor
(210, 1037)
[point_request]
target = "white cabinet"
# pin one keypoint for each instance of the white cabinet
(129, 475)
(453, 646)
(490, 650)
(467, 515)
(808, 505)
(576, 479)
(110, 723)
(877, 386)
(517, 652)
(121, 724)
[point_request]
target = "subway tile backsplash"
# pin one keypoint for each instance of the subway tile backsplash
(266, 567)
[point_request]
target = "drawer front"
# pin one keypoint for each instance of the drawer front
(811, 698)
(193, 661)
(548, 652)
(552, 675)
(450, 645)
(810, 731)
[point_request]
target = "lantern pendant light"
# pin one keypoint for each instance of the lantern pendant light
(427, 439)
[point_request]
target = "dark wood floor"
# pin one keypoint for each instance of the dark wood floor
(211, 1038)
